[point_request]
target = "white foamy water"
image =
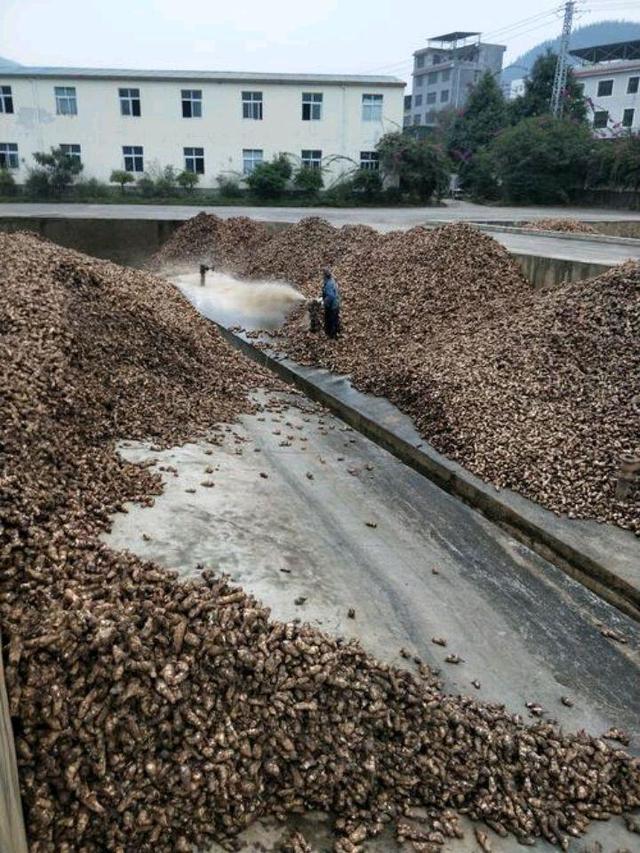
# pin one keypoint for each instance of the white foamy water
(233, 302)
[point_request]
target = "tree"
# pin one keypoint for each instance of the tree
(538, 87)
(57, 171)
(308, 180)
(625, 169)
(269, 180)
(483, 117)
(188, 180)
(542, 159)
(367, 184)
(119, 176)
(7, 183)
(419, 166)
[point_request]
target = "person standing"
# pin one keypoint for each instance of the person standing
(331, 303)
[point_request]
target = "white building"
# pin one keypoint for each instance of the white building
(610, 81)
(209, 122)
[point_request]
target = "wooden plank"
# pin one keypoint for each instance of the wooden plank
(12, 834)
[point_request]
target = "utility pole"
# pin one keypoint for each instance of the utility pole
(560, 78)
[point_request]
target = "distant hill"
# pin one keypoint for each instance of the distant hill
(8, 63)
(602, 32)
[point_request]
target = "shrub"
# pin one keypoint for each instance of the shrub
(309, 180)
(166, 181)
(420, 167)
(56, 173)
(478, 177)
(7, 183)
(269, 180)
(119, 176)
(229, 186)
(367, 184)
(146, 185)
(90, 189)
(188, 180)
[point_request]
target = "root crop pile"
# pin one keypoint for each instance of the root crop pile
(208, 239)
(531, 390)
(151, 714)
(575, 226)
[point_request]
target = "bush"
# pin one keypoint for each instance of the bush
(90, 189)
(188, 180)
(420, 167)
(120, 176)
(309, 180)
(146, 186)
(7, 183)
(56, 173)
(229, 186)
(478, 178)
(269, 180)
(367, 184)
(542, 159)
(37, 184)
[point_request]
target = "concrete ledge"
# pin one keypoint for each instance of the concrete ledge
(603, 557)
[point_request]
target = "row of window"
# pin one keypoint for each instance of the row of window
(133, 158)
(433, 77)
(191, 101)
(432, 98)
(605, 87)
(601, 118)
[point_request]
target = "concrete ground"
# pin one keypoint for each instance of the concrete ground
(341, 523)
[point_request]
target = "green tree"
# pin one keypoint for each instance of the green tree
(625, 168)
(541, 159)
(269, 180)
(538, 87)
(7, 183)
(420, 167)
(484, 116)
(57, 171)
(188, 180)
(367, 184)
(119, 176)
(308, 180)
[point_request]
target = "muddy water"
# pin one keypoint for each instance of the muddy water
(234, 302)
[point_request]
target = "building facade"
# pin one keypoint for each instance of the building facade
(212, 123)
(610, 79)
(444, 73)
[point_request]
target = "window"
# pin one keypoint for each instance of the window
(407, 102)
(311, 158)
(252, 105)
(431, 97)
(66, 101)
(194, 160)
(420, 81)
(9, 155)
(605, 87)
(311, 106)
(420, 61)
(416, 119)
(191, 103)
(437, 59)
(369, 161)
(445, 76)
(372, 107)
(72, 151)
(129, 102)
(627, 118)
(600, 119)
(417, 101)
(444, 96)
(632, 85)
(432, 77)
(251, 157)
(6, 99)
(133, 159)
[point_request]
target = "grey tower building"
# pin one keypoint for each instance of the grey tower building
(444, 73)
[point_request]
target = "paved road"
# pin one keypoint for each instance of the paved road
(525, 629)
(383, 219)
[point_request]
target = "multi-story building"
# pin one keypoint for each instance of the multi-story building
(610, 78)
(207, 122)
(445, 71)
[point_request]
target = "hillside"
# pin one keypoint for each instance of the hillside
(602, 32)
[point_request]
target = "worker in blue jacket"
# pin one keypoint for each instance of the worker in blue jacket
(331, 302)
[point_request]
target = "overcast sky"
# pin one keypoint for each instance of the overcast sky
(349, 36)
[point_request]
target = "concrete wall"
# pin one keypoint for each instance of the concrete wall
(101, 130)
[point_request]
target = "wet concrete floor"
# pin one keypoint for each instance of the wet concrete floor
(341, 523)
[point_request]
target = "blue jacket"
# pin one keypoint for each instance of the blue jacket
(330, 294)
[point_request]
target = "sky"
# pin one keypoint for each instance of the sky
(331, 36)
